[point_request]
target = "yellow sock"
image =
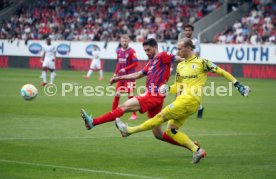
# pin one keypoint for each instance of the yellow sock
(147, 125)
(182, 139)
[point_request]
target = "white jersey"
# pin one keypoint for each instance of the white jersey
(96, 62)
(96, 55)
(196, 44)
(50, 51)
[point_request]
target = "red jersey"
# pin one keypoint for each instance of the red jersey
(158, 71)
(126, 59)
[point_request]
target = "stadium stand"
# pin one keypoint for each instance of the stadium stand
(104, 19)
(6, 3)
(258, 27)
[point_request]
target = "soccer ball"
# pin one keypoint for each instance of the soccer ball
(29, 92)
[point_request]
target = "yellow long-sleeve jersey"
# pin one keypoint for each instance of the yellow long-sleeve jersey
(191, 76)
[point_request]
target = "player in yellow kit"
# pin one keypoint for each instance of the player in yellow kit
(190, 80)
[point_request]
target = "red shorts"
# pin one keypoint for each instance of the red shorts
(151, 104)
(125, 87)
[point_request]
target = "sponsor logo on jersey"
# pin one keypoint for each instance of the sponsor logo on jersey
(122, 60)
(35, 48)
(180, 78)
(171, 106)
(63, 49)
(89, 49)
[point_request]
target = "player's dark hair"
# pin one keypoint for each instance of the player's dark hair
(150, 42)
(189, 26)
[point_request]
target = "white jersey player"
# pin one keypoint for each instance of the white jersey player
(188, 32)
(197, 46)
(95, 63)
(48, 62)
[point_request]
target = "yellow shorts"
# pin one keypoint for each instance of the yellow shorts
(179, 110)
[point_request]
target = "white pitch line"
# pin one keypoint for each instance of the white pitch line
(77, 169)
(148, 136)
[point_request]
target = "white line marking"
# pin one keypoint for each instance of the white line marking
(148, 136)
(77, 169)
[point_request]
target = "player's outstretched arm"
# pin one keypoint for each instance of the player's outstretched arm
(131, 76)
(244, 90)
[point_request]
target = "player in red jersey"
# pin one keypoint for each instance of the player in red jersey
(158, 72)
(127, 61)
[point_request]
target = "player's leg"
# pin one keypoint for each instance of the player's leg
(101, 74)
(52, 70)
(176, 113)
(171, 111)
(147, 125)
(183, 139)
(200, 111)
(116, 99)
(43, 76)
(52, 75)
(128, 106)
(178, 116)
(98, 66)
(157, 131)
(152, 105)
(131, 87)
(44, 71)
(89, 73)
(161, 135)
(180, 138)
(134, 115)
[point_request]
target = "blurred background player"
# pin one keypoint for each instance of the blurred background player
(48, 62)
(188, 33)
(126, 63)
(95, 63)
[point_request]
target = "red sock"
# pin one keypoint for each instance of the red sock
(107, 117)
(167, 138)
(129, 97)
(115, 102)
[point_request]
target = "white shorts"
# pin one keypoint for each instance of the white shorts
(49, 63)
(96, 64)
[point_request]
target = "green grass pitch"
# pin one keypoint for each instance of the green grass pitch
(46, 138)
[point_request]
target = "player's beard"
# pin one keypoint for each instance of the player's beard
(151, 56)
(189, 36)
(124, 47)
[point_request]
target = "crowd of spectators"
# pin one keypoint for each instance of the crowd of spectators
(101, 20)
(258, 27)
(6, 3)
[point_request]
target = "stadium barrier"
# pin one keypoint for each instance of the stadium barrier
(250, 61)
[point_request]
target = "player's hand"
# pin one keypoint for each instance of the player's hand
(113, 80)
(122, 70)
(244, 90)
(41, 60)
(114, 75)
(164, 90)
